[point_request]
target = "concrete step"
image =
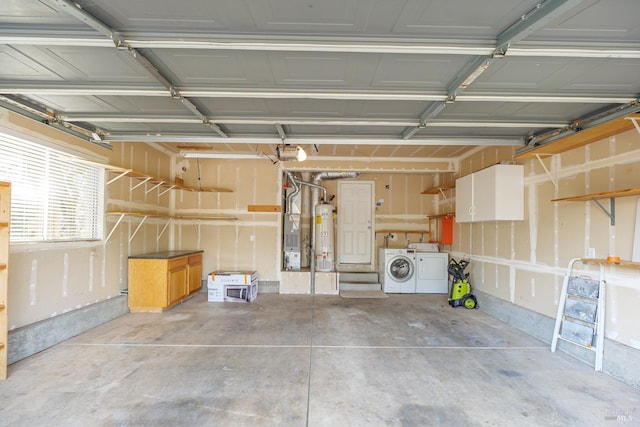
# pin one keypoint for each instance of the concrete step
(360, 286)
(359, 277)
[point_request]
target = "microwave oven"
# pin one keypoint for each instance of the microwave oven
(238, 293)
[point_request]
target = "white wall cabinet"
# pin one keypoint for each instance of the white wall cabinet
(492, 194)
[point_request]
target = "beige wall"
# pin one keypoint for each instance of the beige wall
(521, 261)
(524, 261)
(46, 280)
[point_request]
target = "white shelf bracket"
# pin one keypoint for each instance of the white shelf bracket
(138, 228)
(140, 183)
(164, 229)
(551, 177)
(171, 187)
(444, 196)
(114, 228)
(117, 177)
(153, 188)
(634, 120)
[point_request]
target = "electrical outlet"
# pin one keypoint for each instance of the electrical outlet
(591, 253)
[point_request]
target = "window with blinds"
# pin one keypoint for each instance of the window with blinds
(53, 198)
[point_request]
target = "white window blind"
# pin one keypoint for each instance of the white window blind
(52, 197)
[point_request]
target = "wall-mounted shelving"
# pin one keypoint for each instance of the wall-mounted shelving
(446, 227)
(438, 190)
(170, 218)
(595, 197)
(580, 138)
(162, 185)
(627, 264)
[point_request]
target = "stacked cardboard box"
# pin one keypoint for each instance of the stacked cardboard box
(238, 286)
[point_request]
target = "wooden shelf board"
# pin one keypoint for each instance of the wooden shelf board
(604, 261)
(207, 217)
(264, 208)
(403, 231)
(4, 224)
(603, 195)
(580, 138)
(5, 184)
(182, 217)
(437, 190)
(3, 266)
(153, 180)
(2, 306)
(445, 215)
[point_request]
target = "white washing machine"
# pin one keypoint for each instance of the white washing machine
(396, 268)
(432, 275)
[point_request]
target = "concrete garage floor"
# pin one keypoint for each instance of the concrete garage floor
(297, 360)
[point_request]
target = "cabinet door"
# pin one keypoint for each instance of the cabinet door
(177, 278)
(484, 194)
(195, 273)
(509, 193)
(177, 284)
(464, 199)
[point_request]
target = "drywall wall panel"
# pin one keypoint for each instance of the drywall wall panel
(536, 291)
(530, 274)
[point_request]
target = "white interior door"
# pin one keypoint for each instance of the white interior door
(355, 222)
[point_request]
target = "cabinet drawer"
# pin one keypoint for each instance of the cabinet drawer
(195, 259)
(177, 263)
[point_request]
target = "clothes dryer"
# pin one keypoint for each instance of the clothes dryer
(432, 275)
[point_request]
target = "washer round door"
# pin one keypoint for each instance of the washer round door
(400, 268)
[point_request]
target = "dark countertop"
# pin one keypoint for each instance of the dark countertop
(165, 254)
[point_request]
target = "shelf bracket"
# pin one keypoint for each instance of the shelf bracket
(611, 213)
(141, 183)
(114, 228)
(153, 188)
(634, 120)
(444, 196)
(117, 177)
(171, 187)
(138, 228)
(553, 180)
(164, 229)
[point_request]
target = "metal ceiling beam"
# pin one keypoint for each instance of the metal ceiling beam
(39, 114)
(281, 132)
(114, 89)
(581, 124)
(353, 45)
(205, 139)
(530, 22)
(310, 121)
(76, 11)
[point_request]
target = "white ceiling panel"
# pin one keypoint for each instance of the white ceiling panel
(460, 18)
(17, 65)
(402, 70)
(596, 20)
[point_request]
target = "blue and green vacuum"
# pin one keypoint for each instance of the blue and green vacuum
(460, 292)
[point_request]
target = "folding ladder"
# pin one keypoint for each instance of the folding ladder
(581, 313)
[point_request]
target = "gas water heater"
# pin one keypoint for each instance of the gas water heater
(324, 252)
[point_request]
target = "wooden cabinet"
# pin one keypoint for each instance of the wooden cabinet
(5, 215)
(194, 269)
(161, 280)
(492, 194)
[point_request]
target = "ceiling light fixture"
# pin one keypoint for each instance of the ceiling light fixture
(195, 154)
(288, 152)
